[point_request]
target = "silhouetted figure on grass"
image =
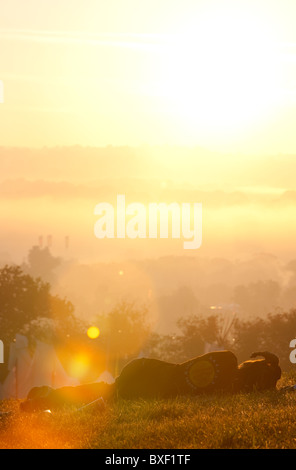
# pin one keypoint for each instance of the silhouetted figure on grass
(261, 374)
(145, 378)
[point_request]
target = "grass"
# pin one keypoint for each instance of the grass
(252, 421)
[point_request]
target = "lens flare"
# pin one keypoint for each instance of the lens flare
(79, 366)
(93, 332)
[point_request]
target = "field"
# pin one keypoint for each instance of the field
(254, 421)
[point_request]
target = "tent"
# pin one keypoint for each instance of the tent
(210, 347)
(106, 377)
(26, 372)
(19, 364)
(46, 368)
(227, 316)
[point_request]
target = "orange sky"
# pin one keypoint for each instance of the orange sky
(215, 76)
(220, 74)
(248, 207)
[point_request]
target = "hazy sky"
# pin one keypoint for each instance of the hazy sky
(220, 74)
(117, 78)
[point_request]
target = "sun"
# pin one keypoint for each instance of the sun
(222, 75)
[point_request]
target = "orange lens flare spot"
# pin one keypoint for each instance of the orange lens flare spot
(93, 332)
(79, 366)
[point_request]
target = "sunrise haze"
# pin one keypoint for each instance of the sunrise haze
(163, 102)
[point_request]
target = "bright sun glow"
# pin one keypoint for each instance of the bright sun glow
(93, 332)
(222, 76)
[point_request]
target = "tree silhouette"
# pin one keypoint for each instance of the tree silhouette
(124, 331)
(24, 302)
(41, 263)
(22, 299)
(272, 333)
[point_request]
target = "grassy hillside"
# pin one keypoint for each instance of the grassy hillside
(257, 420)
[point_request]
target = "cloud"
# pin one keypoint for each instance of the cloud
(144, 190)
(163, 174)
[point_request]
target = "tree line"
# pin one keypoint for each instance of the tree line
(28, 307)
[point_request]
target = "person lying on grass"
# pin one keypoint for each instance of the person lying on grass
(146, 378)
